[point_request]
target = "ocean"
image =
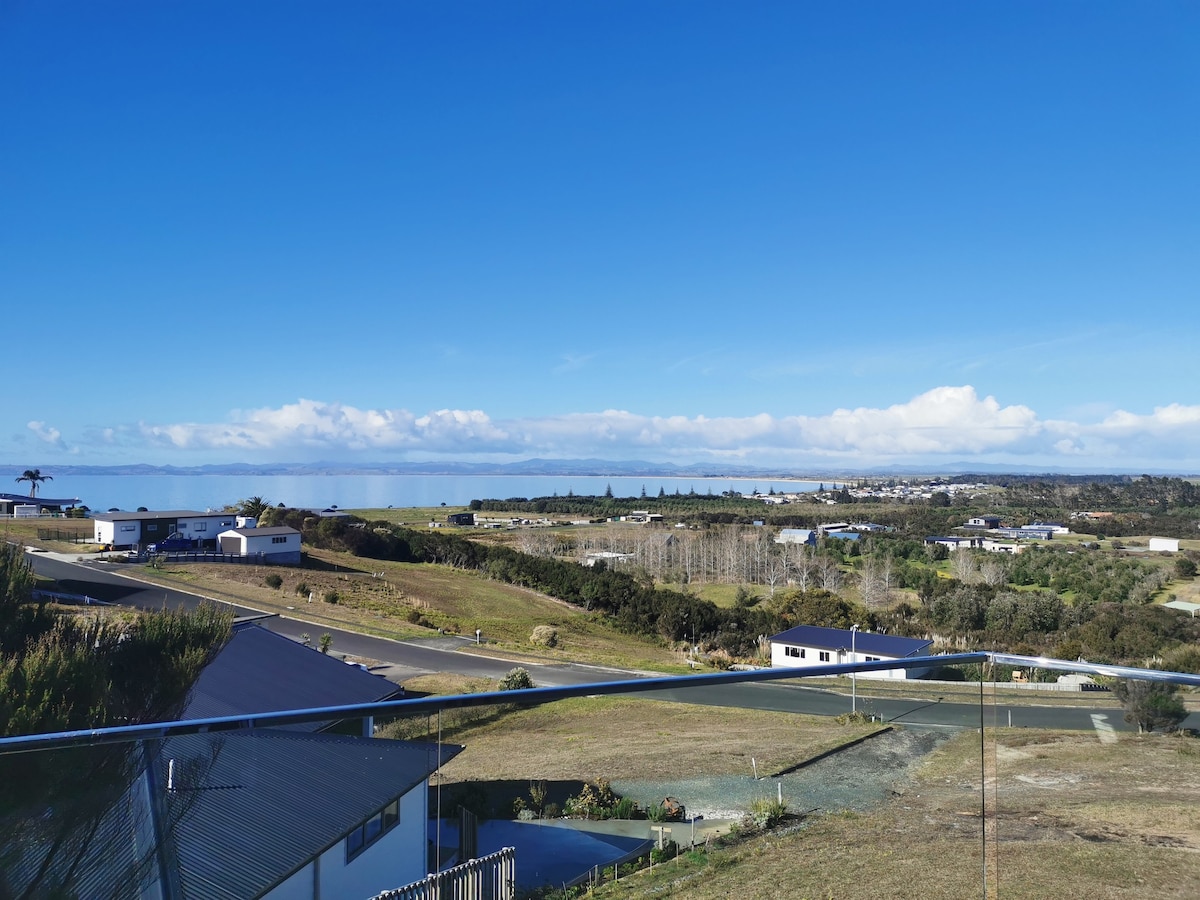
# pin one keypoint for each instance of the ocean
(201, 492)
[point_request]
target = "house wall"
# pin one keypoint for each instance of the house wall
(1171, 545)
(286, 552)
(397, 858)
(119, 534)
(780, 658)
(205, 528)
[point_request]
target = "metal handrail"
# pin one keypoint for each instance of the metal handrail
(537, 696)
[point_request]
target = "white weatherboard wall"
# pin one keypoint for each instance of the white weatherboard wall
(205, 528)
(118, 533)
(1170, 545)
(780, 658)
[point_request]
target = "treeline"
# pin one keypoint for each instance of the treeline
(1102, 625)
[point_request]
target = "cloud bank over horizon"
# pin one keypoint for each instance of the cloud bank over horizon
(940, 425)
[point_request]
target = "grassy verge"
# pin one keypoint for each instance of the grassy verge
(407, 600)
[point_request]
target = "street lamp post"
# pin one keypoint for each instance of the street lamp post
(853, 675)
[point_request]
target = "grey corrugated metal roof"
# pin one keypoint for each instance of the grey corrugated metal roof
(158, 514)
(34, 501)
(260, 671)
(256, 806)
(864, 641)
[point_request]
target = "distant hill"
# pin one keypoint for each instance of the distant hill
(580, 467)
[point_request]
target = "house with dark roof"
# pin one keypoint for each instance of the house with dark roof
(131, 529)
(809, 645)
(18, 505)
(277, 812)
(260, 671)
(281, 814)
(254, 813)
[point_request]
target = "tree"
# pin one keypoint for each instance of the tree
(1151, 704)
(35, 478)
(254, 507)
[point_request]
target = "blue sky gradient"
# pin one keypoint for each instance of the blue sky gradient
(784, 234)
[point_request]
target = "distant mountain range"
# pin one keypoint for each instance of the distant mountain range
(577, 467)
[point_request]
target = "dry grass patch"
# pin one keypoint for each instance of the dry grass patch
(416, 600)
(626, 738)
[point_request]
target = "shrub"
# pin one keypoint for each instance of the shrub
(517, 679)
(666, 851)
(326, 642)
(274, 581)
(767, 812)
(332, 597)
(625, 808)
(545, 636)
(302, 589)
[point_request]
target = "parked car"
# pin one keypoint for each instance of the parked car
(173, 541)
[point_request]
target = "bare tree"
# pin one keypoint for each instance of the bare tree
(875, 582)
(829, 574)
(963, 565)
(801, 564)
(994, 571)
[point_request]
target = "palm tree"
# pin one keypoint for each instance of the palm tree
(254, 506)
(34, 477)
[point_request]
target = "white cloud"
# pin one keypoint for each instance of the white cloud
(47, 434)
(946, 423)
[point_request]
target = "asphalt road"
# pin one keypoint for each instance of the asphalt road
(406, 659)
(410, 658)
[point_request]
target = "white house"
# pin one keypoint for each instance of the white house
(1169, 545)
(1002, 546)
(128, 529)
(983, 522)
(608, 557)
(956, 543)
(1052, 527)
(278, 544)
(806, 646)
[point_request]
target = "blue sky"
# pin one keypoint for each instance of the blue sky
(783, 234)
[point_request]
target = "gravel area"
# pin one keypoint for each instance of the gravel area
(856, 779)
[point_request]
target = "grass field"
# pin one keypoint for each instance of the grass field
(1074, 817)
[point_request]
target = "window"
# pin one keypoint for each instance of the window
(872, 658)
(795, 651)
(281, 539)
(152, 526)
(824, 655)
(372, 829)
(129, 528)
(199, 526)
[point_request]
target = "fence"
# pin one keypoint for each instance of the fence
(491, 877)
(58, 534)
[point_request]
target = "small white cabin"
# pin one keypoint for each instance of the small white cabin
(278, 544)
